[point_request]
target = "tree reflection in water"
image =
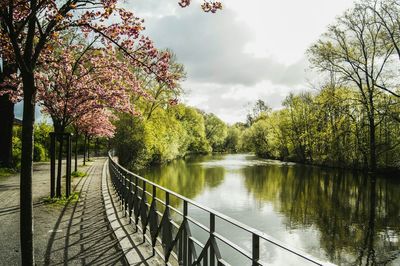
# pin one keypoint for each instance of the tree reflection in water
(185, 177)
(357, 215)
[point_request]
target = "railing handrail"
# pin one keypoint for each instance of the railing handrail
(228, 219)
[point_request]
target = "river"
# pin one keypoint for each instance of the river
(337, 216)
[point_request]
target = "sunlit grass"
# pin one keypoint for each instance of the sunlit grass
(4, 172)
(78, 174)
(63, 200)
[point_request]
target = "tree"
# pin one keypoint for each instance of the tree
(78, 78)
(95, 123)
(216, 131)
(259, 108)
(352, 48)
(259, 137)
(232, 139)
(300, 110)
(29, 26)
(193, 122)
(386, 14)
(161, 95)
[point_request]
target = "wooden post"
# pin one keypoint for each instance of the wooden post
(52, 164)
(68, 171)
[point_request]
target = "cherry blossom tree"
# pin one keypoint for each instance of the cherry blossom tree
(29, 26)
(95, 124)
(77, 78)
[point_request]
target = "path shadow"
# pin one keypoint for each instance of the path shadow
(82, 235)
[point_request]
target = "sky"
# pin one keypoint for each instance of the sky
(253, 49)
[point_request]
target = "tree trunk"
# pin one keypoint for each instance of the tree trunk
(6, 121)
(96, 147)
(76, 152)
(59, 130)
(88, 149)
(372, 135)
(372, 145)
(84, 150)
(6, 131)
(26, 212)
(59, 165)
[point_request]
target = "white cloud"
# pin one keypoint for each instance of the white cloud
(250, 50)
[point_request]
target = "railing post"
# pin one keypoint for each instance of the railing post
(136, 202)
(154, 201)
(205, 260)
(166, 199)
(130, 197)
(124, 194)
(143, 210)
(185, 235)
(52, 164)
(256, 250)
(144, 188)
(166, 212)
(154, 194)
(212, 230)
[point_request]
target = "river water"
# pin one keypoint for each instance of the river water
(337, 216)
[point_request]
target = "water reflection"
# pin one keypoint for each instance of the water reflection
(354, 219)
(186, 177)
(356, 215)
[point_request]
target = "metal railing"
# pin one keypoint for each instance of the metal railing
(171, 236)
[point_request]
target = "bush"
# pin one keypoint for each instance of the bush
(39, 152)
(16, 151)
(78, 174)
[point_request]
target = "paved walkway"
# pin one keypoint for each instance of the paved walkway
(75, 234)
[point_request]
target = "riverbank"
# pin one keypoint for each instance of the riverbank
(391, 171)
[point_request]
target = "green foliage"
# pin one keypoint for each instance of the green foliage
(4, 172)
(129, 142)
(165, 137)
(168, 134)
(16, 146)
(216, 132)
(258, 137)
(63, 200)
(232, 140)
(42, 136)
(329, 128)
(39, 152)
(78, 174)
(193, 122)
(41, 146)
(259, 109)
